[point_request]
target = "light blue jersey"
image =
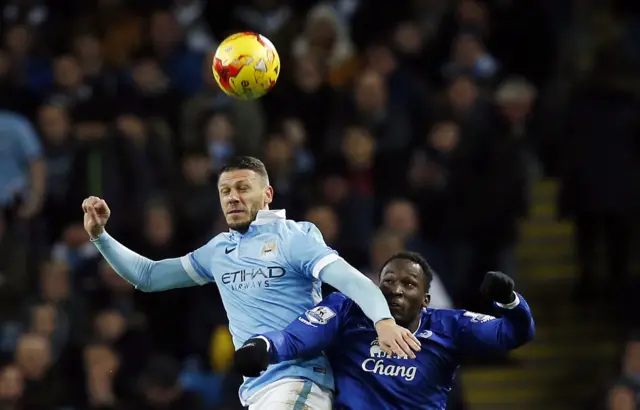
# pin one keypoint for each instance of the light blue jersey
(19, 145)
(266, 277)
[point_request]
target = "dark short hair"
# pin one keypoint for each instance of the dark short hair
(245, 162)
(415, 258)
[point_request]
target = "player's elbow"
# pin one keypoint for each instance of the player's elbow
(531, 332)
(144, 282)
(146, 288)
(146, 285)
(522, 336)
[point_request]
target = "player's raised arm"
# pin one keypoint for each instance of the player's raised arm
(307, 336)
(145, 274)
(309, 254)
(479, 333)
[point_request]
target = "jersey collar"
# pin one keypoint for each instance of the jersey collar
(266, 216)
(263, 217)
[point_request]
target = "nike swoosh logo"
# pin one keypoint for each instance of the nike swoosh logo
(228, 251)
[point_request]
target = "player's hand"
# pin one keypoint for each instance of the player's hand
(498, 287)
(252, 358)
(96, 214)
(396, 339)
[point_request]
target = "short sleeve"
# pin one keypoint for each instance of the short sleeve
(306, 251)
(195, 264)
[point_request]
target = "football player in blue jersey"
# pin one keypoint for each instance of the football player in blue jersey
(268, 270)
(368, 378)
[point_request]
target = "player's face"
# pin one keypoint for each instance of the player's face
(403, 284)
(242, 194)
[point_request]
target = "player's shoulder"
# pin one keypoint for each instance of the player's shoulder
(442, 319)
(291, 228)
(449, 317)
(339, 301)
(337, 297)
(299, 227)
(217, 240)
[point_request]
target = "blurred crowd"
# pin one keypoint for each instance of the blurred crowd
(412, 124)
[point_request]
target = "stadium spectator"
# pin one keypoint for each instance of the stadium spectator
(11, 387)
(166, 43)
(600, 200)
(327, 38)
(22, 193)
(624, 393)
(191, 14)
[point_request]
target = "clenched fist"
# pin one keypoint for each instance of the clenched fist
(498, 287)
(96, 214)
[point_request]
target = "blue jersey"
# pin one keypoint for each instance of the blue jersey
(267, 277)
(366, 378)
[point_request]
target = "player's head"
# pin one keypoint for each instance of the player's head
(244, 189)
(405, 279)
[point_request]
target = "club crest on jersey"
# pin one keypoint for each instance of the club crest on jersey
(378, 363)
(268, 249)
(320, 315)
(425, 334)
(376, 351)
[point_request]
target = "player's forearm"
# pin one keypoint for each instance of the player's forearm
(282, 347)
(513, 330)
(145, 274)
(358, 287)
(517, 326)
(312, 332)
(298, 344)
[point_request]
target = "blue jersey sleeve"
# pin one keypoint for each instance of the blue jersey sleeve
(195, 264)
(312, 332)
(306, 251)
(145, 274)
(28, 141)
(481, 333)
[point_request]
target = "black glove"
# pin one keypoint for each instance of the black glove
(498, 287)
(252, 358)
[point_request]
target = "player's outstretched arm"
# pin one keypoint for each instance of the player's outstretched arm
(145, 274)
(348, 280)
(307, 336)
(309, 254)
(481, 332)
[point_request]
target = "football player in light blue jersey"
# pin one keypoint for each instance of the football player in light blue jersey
(269, 271)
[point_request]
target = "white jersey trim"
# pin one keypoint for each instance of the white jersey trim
(511, 305)
(266, 341)
(322, 263)
(191, 271)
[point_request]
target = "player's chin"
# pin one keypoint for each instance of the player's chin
(238, 224)
(398, 312)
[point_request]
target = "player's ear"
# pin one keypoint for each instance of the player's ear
(426, 301)
(268, 195)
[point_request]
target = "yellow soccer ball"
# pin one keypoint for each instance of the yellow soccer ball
(246, 65)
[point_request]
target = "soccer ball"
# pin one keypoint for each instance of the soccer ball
(246, 65)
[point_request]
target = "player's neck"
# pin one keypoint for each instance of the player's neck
(413, 325)
(244, 229)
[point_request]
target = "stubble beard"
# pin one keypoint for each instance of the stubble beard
(243, 226)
